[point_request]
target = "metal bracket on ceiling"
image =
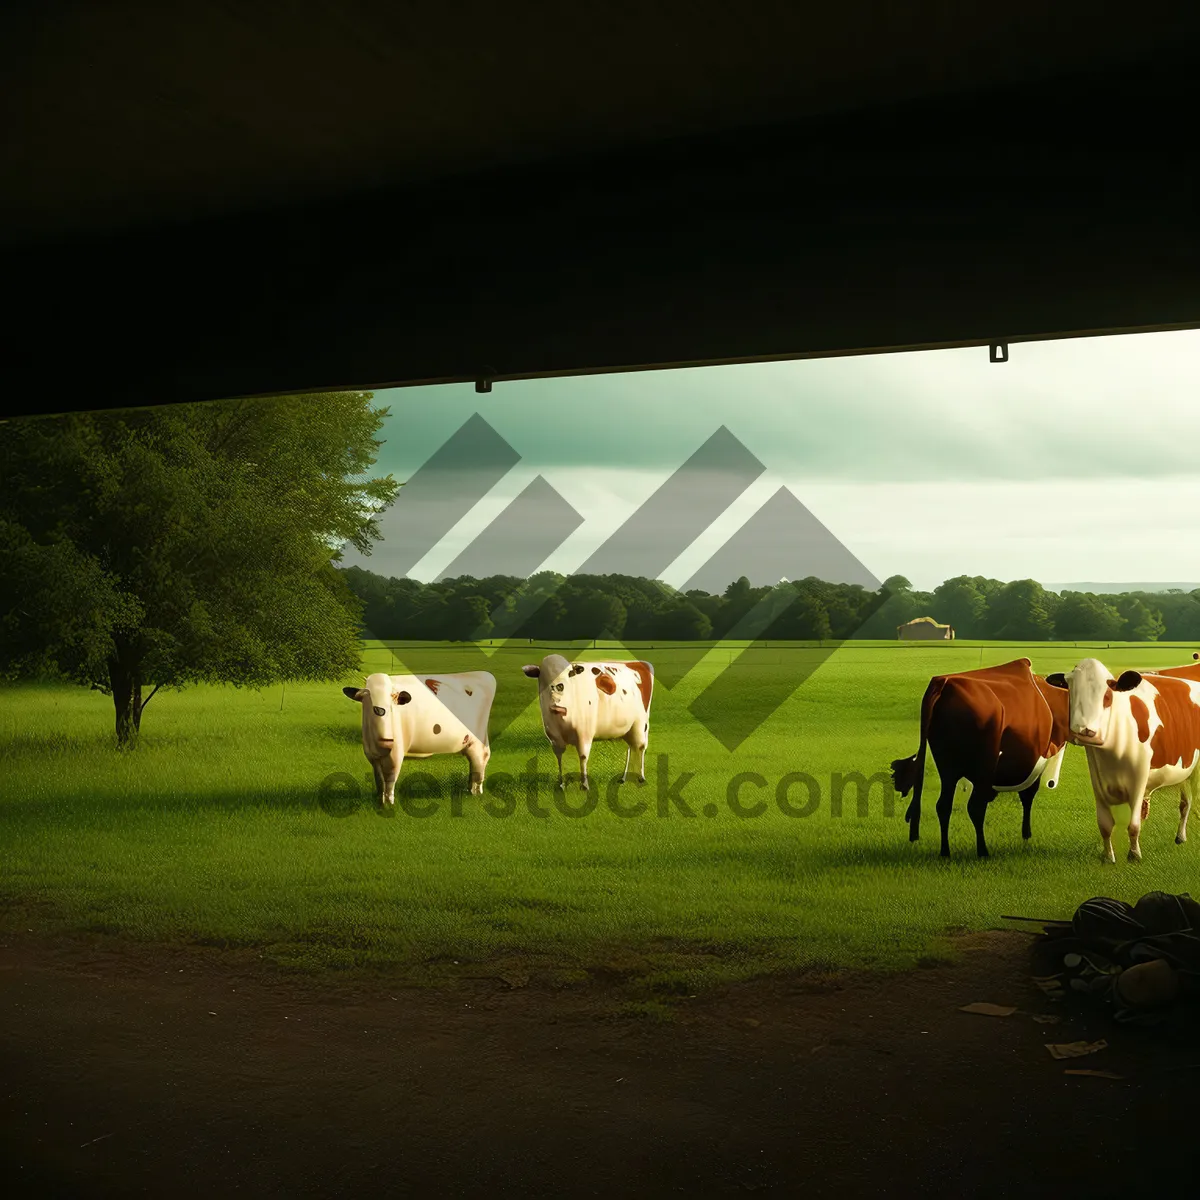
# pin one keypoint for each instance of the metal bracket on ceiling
(484, 382)
(998, 352)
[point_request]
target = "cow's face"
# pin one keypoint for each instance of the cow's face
(378, 696)
(565, 687)
(1091, 689)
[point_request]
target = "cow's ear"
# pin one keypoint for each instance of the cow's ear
(1058, 680)
(401, 697)
(605, 684)
(532, 671)
(354, 693)
(1128, 681)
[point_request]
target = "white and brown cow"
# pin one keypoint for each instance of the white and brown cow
(1141, 732)
(586, 702)
(1189, 671)
(415, 716)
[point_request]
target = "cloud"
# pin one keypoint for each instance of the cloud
(1087, 408)
(1017, 530)
(1073, 460)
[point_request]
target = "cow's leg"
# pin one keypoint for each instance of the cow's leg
(1138, 808)
(558, 753)
(628, 755)
(640, 741)
(977, 806)
(474, 750)
(1027, 804)
(585, 748)
(378, 780)
(1185, 807)
(945, 806)
(390, 769)
(1104, 818)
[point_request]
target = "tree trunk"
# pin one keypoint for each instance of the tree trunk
(126, 684)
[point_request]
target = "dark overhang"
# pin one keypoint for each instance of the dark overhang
(196, 211)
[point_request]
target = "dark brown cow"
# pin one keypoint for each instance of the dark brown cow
(1001, 728)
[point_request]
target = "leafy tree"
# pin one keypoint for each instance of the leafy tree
(189, 543)
(710, 606)
(592, 613)
(1082, 615)
(378, 600)
(738, 590)
(497, 589)
(824, 610)
(1182, 617)
(553, 606)
(1142, 623)
(960, 602)
(764, 613)
(466, 617)
(805, 619)
(1022, 611)
(740, 601)
(682, 621)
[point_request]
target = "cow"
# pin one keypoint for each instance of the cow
(1004, 729)
(586, 702)
(1140, 732)
(1190, 671)
(415, 716)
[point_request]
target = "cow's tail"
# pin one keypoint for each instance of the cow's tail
(908, 774)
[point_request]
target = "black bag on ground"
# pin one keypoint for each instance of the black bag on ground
(1159, 926)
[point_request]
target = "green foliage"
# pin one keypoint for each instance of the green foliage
(191, 543)
(1022, 611)
(622, 607)
(1083, 615)
(1142, 623)
(962, 603)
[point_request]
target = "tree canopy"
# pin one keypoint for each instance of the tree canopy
(573, 608)
(164, 546)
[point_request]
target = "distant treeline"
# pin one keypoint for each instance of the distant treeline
(550, 606)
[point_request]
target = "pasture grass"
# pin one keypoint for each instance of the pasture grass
(213, 830)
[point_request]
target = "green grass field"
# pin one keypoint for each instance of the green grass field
(213, 829)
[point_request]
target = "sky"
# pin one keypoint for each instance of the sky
(1073, 461)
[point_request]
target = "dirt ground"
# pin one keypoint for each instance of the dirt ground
(127, 1071)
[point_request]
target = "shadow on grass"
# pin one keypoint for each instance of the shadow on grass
(335, 794)
(23, 749)
(176, 800)
(780, 858)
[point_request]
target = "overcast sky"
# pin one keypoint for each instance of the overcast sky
(1073, 461)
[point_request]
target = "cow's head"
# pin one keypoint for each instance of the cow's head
(378, 695)
(1091, 690)
(564, 685)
